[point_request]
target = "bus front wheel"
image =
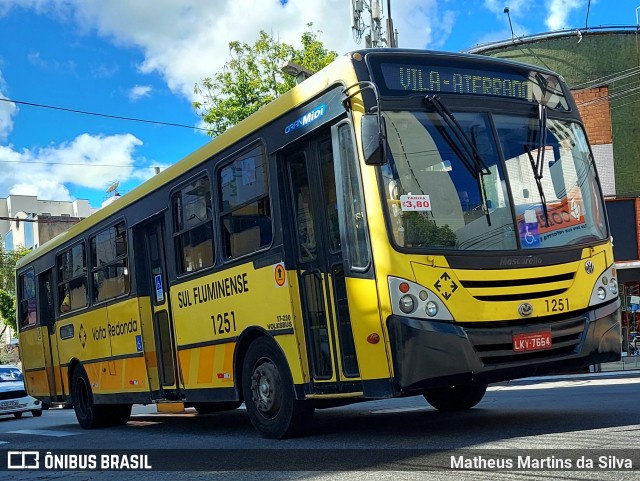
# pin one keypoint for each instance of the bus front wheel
(269, 395)
(455, 398)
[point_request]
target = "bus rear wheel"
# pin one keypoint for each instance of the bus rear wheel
(455, 398)
(89, 415)
(269, 395)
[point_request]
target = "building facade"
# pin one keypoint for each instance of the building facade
(29, 222)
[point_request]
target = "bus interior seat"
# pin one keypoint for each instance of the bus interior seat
(245, 241)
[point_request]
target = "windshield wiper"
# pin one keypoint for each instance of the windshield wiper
(468, 152)
(537, 165)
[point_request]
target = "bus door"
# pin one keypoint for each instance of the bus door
(330, 344)
(164, 334)
(46, 311)
(35, 321)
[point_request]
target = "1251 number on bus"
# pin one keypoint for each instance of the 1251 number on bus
(557, 305)
(224, 323)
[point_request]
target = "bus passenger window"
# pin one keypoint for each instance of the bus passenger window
(110, 270)
(27, 308)
(245, 204)
(72, 279)
(192, 226)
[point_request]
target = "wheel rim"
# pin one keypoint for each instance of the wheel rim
(265, 389)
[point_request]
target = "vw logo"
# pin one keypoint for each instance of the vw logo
(589, 267)
(525, 309)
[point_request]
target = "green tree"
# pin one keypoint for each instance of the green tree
(7, 311)
(8, 261)
(252, 78)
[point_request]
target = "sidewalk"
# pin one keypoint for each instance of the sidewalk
(625, 364)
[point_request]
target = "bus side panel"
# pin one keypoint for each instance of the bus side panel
(105, 341)
(34, 353)
(212, 312)
(365, 315)
(208, 366)
(126, 372)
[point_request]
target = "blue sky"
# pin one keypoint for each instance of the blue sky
(142, 58)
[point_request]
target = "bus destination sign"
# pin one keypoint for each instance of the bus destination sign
(444, 79)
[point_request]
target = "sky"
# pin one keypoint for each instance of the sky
(141, 59)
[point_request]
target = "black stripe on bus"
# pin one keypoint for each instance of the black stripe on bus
(35, 369)
(112, 358)
(227, 340)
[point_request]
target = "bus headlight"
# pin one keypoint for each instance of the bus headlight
(411, 298)
(407, 304)
(605, 288)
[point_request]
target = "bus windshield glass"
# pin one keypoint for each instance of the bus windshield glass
(449, 190)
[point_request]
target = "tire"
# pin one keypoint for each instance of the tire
(89, 414)
(455, 398)
(118, 414)
(269, 394)
(17, 415)
(36, 413)
(216, 407)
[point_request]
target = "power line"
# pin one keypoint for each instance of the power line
(43, 219)
(98, 114)
(133, 166)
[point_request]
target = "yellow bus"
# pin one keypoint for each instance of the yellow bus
(401, 223)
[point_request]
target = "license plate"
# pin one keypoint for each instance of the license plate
(532, 341)
(9, 404)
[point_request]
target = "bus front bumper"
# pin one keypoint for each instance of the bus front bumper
(428, 353)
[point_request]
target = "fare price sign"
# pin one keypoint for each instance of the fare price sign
(412, 203)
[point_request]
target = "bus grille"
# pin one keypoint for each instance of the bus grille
(526, 288)
(495, 345)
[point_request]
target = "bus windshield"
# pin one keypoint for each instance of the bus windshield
(445, 194)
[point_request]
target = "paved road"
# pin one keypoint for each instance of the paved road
(595, 415)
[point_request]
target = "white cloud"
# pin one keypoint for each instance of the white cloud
(559, 10)
(139, 91)
(86, 161)
(7, 112)
(187, 40)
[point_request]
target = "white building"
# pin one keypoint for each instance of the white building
(45, 219)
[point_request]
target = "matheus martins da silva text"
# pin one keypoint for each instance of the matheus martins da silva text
(546, 462)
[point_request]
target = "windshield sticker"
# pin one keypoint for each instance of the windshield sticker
(419, 203)
(529, 234)
(564, 216)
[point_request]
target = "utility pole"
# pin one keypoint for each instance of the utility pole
(375, 36)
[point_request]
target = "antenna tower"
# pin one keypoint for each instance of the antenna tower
(374, 35)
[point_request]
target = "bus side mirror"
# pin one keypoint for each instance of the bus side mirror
(373, 139)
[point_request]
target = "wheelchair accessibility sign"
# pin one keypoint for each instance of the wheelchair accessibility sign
(159, 288)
